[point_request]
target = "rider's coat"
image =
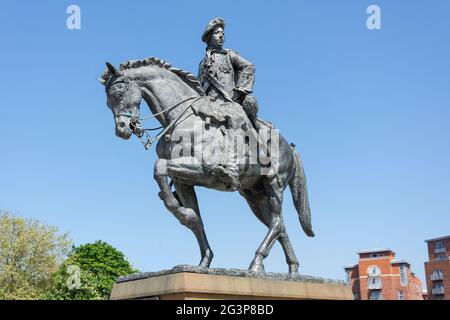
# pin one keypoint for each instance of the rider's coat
(222, 71)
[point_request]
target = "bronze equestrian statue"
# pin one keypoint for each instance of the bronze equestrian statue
(195, 147)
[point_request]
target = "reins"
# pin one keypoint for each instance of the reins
(149, 140)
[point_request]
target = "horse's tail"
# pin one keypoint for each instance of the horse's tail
(299, 192)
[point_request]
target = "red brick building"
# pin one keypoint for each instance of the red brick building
(378, 276)
(437, 268)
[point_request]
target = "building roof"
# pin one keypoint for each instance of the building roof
(400, 262)
(374, 250)
(350, 266)
(437, 239)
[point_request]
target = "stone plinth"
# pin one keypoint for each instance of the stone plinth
(191, 283)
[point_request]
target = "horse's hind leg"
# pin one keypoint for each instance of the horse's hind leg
(188, 199)
(291, 259)
(260, 208)
(187, 216)
(267, 208)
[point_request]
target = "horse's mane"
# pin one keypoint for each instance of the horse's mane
(186, 76)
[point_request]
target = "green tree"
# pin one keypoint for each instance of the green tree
(30, 252)
(70, 282)
(99, 265)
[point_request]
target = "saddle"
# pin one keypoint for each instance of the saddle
(226, 113)
(219, 112)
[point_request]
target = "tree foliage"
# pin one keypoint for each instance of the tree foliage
(71, 283)
(99, 266)
(30, 252)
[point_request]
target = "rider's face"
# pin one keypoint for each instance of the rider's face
(217, 38)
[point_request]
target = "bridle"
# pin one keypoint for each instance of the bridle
(140, 132)
(135, 126)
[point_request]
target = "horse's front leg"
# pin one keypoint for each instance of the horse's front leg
(186, 215)
(188, 198)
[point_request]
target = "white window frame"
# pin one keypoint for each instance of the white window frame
(403, 275)
(376, 269)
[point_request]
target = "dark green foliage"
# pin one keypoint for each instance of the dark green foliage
(99, 265)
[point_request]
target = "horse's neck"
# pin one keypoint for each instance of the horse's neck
(153, 104)
(163, 90)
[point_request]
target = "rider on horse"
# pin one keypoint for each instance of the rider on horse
(224, 74)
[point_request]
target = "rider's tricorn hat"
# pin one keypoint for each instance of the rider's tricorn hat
(214, 23)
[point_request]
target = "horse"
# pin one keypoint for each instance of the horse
(174, 97)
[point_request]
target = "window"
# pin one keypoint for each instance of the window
(438, 289)
(403, 275)
(349, 277)
(439, 286)
(375, 295)
(437, 275)
(374, 283)
(373, 271)
(441, 256)
(400, 295)
(439, 245)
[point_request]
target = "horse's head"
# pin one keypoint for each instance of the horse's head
(123, 99)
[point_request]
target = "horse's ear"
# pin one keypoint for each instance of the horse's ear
(112, 69)
(103, 82)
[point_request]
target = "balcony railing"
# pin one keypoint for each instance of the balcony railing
(439, 250)
(441, 257)
(436, 276)
(438, 290)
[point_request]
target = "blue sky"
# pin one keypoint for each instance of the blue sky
(368, 110)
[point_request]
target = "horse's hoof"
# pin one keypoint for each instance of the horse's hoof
(293, 270)
(204, 264)
(257, 268)
(206, 260)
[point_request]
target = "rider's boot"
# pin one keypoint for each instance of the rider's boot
(230, 168)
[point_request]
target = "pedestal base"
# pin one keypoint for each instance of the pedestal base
(192, 283)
